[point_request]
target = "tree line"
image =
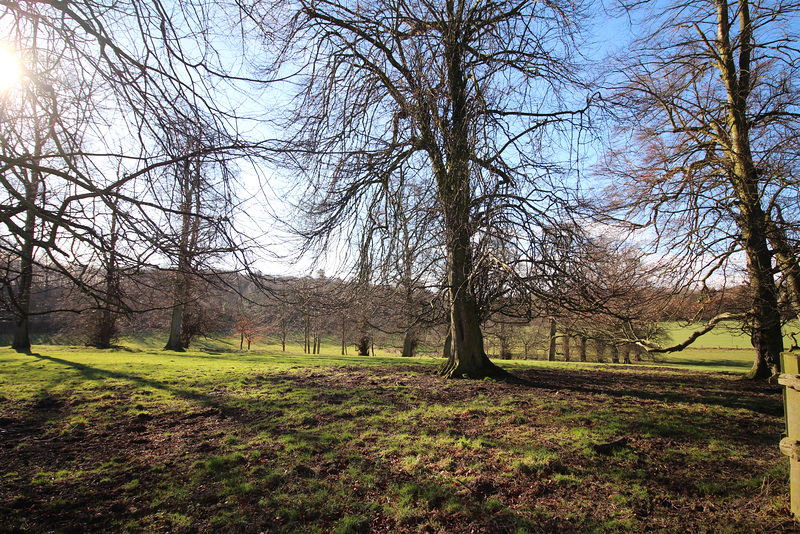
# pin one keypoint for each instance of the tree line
(475, 164)
(303, 311)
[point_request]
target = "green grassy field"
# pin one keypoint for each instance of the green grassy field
(141, 440)
(724, 349)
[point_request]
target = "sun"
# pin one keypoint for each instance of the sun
(10, 67)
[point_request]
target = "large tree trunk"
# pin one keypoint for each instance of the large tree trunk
(551, 350)
(766, 336)
(467, 357)
(180, 296)
(735, 72)
(626, 354)
(22, 340)
(22, 298)
(451, 169)
(409, 342)
(190, 204)
(174, 342)
(600, 349)
(106, 328)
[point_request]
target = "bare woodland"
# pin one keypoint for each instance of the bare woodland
(485, 179)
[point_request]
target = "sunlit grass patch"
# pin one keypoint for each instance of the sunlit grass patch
(537, 460)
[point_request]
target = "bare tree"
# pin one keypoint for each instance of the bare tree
(103, 326)
(100, 83)
(710, 94)
(198, 193)
(462, 97)
(44, 118)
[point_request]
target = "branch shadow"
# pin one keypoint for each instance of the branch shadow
(93, 373)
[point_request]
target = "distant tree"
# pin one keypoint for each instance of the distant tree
(551, 348)
(246, 328)
(596, 287)
(529, 337)
(409, 262)
(104, 326)
(316, 303)
(194, 235)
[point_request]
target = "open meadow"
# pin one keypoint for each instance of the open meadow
(140, 440)
(724, 349)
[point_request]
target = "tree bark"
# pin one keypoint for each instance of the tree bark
(22, 298)
(786, 258)
(344, 335)
(22, 340)
(409, 342)
(467, 358)
(766, 336)
(582, 349)
(600, 349)
(174, 342)
(551, 351)
(189, 181)
(106, 328)
(307, 332)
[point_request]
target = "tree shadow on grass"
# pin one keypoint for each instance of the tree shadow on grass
(93, 373)
(664, 384)
(712, 364)
(649, 384)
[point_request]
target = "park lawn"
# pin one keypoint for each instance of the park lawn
(724, 349)
(209, 441)
(724, 336)
(735, 361)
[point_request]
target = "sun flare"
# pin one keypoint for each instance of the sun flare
(10, 68)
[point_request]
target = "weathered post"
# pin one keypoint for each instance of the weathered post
(790, 445)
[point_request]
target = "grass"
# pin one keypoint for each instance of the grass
(724, 349)
(141, 440)
(724, 336)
